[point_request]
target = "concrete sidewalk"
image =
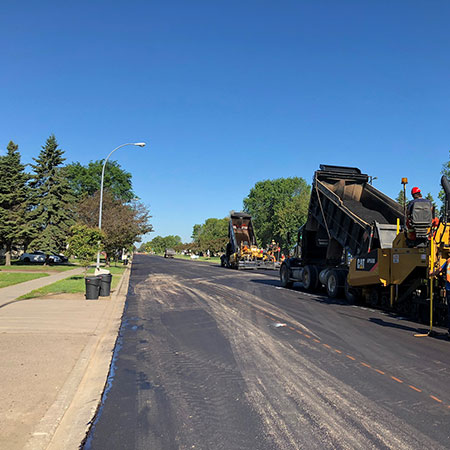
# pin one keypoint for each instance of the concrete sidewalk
(10, 293)
(55, 355)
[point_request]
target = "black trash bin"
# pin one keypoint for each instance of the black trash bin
(105, 284)
(92, 287)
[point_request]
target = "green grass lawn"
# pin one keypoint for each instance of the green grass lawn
(213, 259)
(19, 266)
(73, 285)
(8, 279)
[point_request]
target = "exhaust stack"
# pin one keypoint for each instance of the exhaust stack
(446, 186)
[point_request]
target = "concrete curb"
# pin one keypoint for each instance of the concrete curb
(67, 421)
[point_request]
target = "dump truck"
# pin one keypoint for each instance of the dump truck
(347, 218)
(242, 251)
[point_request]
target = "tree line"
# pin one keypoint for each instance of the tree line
(278, 208)
(41, 209)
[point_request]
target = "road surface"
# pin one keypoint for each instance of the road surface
(212, 358)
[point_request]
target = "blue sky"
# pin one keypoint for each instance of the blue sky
(230, 93)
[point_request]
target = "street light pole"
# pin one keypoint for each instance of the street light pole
(138, 144)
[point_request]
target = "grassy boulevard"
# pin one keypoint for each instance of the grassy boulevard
(73, 285)
(212, 259)
(10, 278)
(18, 267)
(19, 273)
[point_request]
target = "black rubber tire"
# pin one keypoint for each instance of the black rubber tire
(27, 260)
(352, 295)
(284, 277)
(374, 297)
(385, 301)
(223, 261)
(310, 278)
(334, 283)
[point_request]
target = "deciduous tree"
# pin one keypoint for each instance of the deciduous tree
(84, 243)
(123, 223)
(277, 207)
(159, 243)
(211, 235)
(86, 180)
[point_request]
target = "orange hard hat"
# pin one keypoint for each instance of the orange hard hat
(415, 190)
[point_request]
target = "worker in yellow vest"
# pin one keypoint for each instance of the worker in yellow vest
(445, 269)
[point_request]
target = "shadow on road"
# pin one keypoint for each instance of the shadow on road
(383, 323)
(320, 298)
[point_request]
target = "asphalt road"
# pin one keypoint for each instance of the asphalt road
(211, 358)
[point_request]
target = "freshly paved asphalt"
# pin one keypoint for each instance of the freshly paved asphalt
(211, 358)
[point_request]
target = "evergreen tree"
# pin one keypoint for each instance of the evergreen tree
(14, 191)
(53, 203)
(401, 198)
(430, 197)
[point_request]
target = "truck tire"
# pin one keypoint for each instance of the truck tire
(351, 294)
(223, 261)
(334, 283)
(284, 277)
(310, 278)
(374, 297)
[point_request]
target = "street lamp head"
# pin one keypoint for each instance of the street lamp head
(140, 144)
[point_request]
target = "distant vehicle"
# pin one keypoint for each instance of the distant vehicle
(39, 256)
(62, 258)
(169, 253)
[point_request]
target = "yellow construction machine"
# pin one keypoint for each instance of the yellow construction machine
(359, 241)
(242, 251)
(399, 277)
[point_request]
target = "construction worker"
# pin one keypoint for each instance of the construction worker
(417, 197)
(445, 268)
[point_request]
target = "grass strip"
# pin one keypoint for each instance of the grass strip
(22, 267)
(73, 285)
(212, 259)
(9, 279)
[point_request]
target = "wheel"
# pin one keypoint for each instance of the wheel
(310, 278)
(27, 260)
(385, 301)
(284, 277)
(374, 297)
(351, 294)
(334, 283)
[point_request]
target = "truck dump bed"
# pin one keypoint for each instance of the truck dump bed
(240, 230)
(346, 213)
(242, 251)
